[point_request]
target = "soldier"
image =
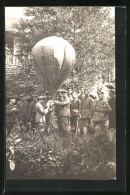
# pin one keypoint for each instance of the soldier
(11, 112)
(32, 111)
(100, 113)
(40, 114)
(70, 94)
(59, 98)
(48, 105)
(81, 95)
(74, 111)
(64, 113)
(86, 111)
(24, 111)
(112, 114)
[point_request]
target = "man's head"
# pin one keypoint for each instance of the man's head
(86, 93)
(64, 94)
(41, 99)
(69, 91)
(82, 90)
(12, 100)
(34, 96)
(101, 95)
(23, 97)
(111, 93)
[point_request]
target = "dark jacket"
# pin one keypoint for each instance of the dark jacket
(87, 107)
(32, 109)
(74, 107)
(24, 110)
(64, 107)
(112, 114)
(11, 115)
(102, 109)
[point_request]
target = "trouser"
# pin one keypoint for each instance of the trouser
(84, 122)
(32, 124)
(64, 124)
(48, 123)
(73, 122)
(95, 123)
(24, 121)
(40, 128)
(112, 122)
(9, 126)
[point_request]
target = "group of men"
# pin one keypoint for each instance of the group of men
(73, 111)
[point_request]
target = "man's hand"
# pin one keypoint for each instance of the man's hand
(14, 109)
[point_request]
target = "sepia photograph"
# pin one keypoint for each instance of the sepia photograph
(60, 81)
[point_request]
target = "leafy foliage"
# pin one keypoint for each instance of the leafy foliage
(56, 156)
(90, 30)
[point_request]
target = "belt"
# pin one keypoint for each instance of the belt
(99, 111)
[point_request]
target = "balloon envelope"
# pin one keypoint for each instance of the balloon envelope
(53, 59)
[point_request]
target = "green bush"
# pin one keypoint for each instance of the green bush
(59, 157)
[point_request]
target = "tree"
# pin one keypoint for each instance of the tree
(90, 30)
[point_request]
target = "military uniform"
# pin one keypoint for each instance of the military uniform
(112, 114)
(74, 111)
(100, 114)
(64, 115)
(48, 116)
(32, 113)
(10, 116)
(86, 111)
(81, 96)
(24, 112)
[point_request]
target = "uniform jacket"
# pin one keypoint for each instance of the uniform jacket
(87, 107)
(102, 109)
(81, 96)
(74, 107)
(10, 115)
(32, 109)
(112, 114)
(112, 104)
(40, 113)
(24, 110)
(64, 107)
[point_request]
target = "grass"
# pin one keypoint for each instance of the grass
(60, 157)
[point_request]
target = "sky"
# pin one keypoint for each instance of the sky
(14, 12)
(18, 12)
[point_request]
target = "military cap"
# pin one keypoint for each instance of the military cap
(112, 91)
(47, 93)
(100, 92)
(42, 97)
(34, 95)
(109, 86)
(92, 96)
(22, 95)
(13, 97)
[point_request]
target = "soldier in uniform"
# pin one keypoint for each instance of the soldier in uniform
(81, 95)
(40, 113)
(48, 105)
(74, 111)
(64, 113)
(59, 98)
(101, 111)
(112, 114)
(86, 111)
(24, 111)
(11, 113)
(70, 94)
(32, 111)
